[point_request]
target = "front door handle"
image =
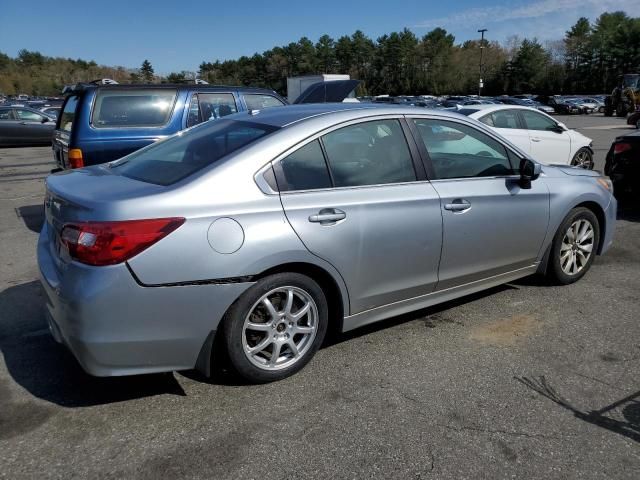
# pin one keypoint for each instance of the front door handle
(328, 216)
(535, 139)
(458, 205)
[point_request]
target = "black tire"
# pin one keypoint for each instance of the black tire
(583, 158)
(554, 269)
(233, 326)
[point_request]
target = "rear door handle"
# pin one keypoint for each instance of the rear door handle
(535, 139)
(458, 205)
(327, 216)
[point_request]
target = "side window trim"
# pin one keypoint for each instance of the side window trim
(426, 159)
(415, 155)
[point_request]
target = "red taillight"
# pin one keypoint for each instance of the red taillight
(621, 147)
(75, 158)
(108, 243)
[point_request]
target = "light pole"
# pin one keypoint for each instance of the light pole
(480, 83)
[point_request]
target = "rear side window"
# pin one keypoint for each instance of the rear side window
(6, 114)
(208, 106)
(181, 155)
(501, 119)
(459, 151)
(305, 169)
(68, 113)
(260, 101)
(133, 108)
(369, 153)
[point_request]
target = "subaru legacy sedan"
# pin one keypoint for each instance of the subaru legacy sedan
(255, 234)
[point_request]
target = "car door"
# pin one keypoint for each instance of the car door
(205, 106)
(9, 127)
(490, 225)
(34, 127)
(508, 124)
(357, 197)
(549, 143)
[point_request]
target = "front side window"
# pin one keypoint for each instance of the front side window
(369, 153)
(29, 116)
(460, 151)
(537, 121)
(133, 107)
(68, 113)
(183, 154)
(209, 106)
(305, 169)
(260, 101)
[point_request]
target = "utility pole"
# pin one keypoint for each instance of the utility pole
(480, 83)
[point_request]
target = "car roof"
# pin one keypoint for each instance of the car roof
(185, 86)
(290, 114)
(494, 108)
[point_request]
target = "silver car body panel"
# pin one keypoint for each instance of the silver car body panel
(155, 312)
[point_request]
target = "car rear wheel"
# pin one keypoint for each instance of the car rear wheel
(583, 159)
(574, 246)
(275, 327)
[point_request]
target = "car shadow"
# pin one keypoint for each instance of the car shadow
(32, 216)
(49, 371)
(621, 416)
(629, 209)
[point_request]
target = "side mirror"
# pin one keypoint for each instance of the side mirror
(44, 120)
(529, 171)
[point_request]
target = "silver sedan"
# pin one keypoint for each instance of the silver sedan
(257, 233)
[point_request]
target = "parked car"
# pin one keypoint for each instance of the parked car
(257, 233)
(623, 164)
(100, 123)
(561, 106)
(24, 126)
(51, 111)
(545, 139)
(595, 103)
(634, 119)
(583, 106)
(542, 107)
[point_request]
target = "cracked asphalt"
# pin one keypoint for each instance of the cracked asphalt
(521, 381)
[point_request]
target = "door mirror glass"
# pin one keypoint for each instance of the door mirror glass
(529, 171)
(45, 119)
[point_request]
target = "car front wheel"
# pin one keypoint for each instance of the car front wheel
(275, 327)
(574, 246)
(583, 159)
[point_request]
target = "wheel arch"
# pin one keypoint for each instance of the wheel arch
(336, 293)
(598, 211)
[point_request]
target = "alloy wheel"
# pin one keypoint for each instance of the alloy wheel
(583, 159)
(577, 247)
(280, 328)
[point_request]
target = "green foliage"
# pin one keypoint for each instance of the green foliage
(589, 59)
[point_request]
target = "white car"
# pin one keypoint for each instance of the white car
(545, 139)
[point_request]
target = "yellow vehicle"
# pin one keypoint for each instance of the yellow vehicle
(625, 98)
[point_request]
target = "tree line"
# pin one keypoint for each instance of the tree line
(588, 59)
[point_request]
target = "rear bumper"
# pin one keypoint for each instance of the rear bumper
(114, 326)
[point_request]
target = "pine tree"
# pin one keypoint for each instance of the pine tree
(146, 71)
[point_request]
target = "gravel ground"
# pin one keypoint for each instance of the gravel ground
(522, 381)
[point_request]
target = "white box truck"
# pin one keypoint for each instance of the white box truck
(297, 85)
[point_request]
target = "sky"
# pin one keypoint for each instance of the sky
(179, 35)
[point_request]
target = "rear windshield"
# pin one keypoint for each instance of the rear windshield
(179, 156)
(68, 113)
(133, 108)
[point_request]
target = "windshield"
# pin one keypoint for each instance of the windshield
(185, 153)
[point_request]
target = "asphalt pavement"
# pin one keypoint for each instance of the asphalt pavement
(522, 381)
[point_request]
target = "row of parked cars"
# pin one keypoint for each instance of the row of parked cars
(99, 122)
(549, 104)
